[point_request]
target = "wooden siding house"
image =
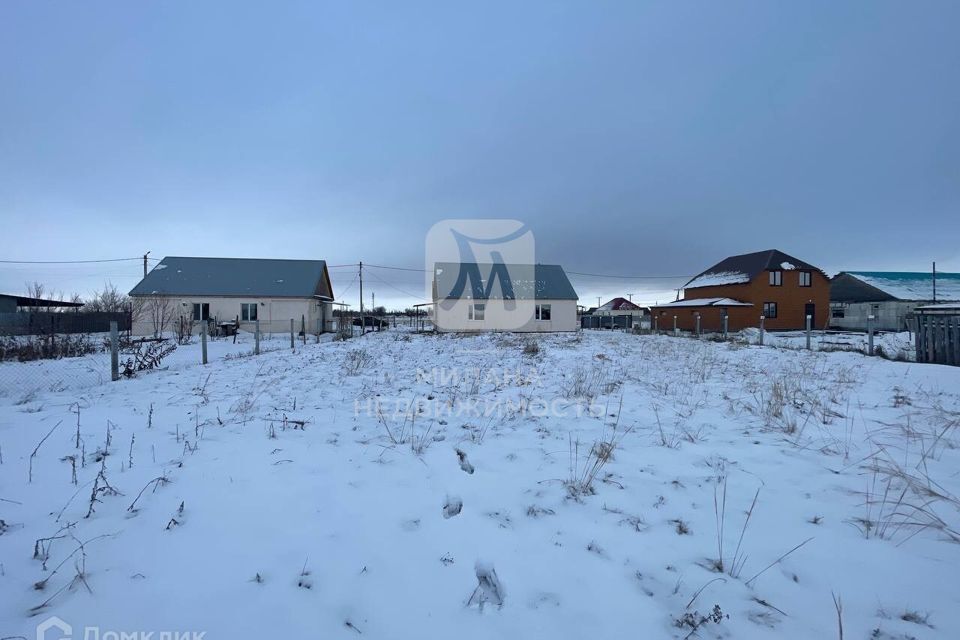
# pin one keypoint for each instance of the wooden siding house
(770, 283)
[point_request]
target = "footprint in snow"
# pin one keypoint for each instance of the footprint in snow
(464, 463)
(452, 507)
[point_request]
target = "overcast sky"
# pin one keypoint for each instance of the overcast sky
(634, 138)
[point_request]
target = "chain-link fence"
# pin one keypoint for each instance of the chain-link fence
(23, 381)
(52, 362)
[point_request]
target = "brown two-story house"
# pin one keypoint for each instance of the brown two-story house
(767, 283)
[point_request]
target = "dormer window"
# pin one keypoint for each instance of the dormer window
(805, 278)
(776, 278)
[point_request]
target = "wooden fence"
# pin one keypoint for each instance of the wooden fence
(938, 338)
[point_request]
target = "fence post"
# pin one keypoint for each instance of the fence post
(870, 335)
(114, 352)
(291, 333)
(918, 338)
(203, 340)
(676, 331)
(761, 330)
(319, 329)
(809, 323)
(696, 320)
(724, 326)
(256, 338)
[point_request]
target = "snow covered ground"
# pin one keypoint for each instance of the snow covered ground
(617, 486)
(899, 346)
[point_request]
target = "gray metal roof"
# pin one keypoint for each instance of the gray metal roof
(845, 287)
(26, 301)
(911, 285)
(236, 277)
(471, 280)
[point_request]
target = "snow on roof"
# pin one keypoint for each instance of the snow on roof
(745, 267)
(619, 304)
(706, 302)
(719, 278)
(907, 285)
(954, 306)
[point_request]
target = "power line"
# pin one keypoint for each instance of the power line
(70, 261)
(609, 275)
(380, 266)
(577, 273)
(349, 286)
(406, 293)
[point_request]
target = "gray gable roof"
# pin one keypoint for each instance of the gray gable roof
(849, 288)
(471, 280)
(748, 265)
(236, 277)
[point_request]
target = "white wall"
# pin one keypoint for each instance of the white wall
(890, 315)
(274, 313)
(498, 318)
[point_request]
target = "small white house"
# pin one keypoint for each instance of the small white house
(501, 297)
(246, 290)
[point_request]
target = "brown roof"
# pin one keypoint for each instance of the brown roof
(749, 265)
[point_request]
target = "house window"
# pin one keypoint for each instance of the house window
(475, 311)
(248, 311)
(837, 313)
(201, 311)
(776, 278)
(543, 312)
(770, 309)
(804, 278)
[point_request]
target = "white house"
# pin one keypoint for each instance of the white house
(502, 297)
(230, 289)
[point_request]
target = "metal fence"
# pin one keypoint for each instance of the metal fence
(46, 323)
(614, 322)
(23, 381)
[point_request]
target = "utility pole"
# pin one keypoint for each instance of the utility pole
(934, 281)
(363, 325)
(145, 264)
(598, 302)
(630, 297)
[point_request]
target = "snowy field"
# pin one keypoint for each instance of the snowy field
(398, 485)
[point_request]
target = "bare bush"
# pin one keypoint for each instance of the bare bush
(355, 361)
(146, 356)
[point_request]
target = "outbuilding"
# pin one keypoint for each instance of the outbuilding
(891, 297)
